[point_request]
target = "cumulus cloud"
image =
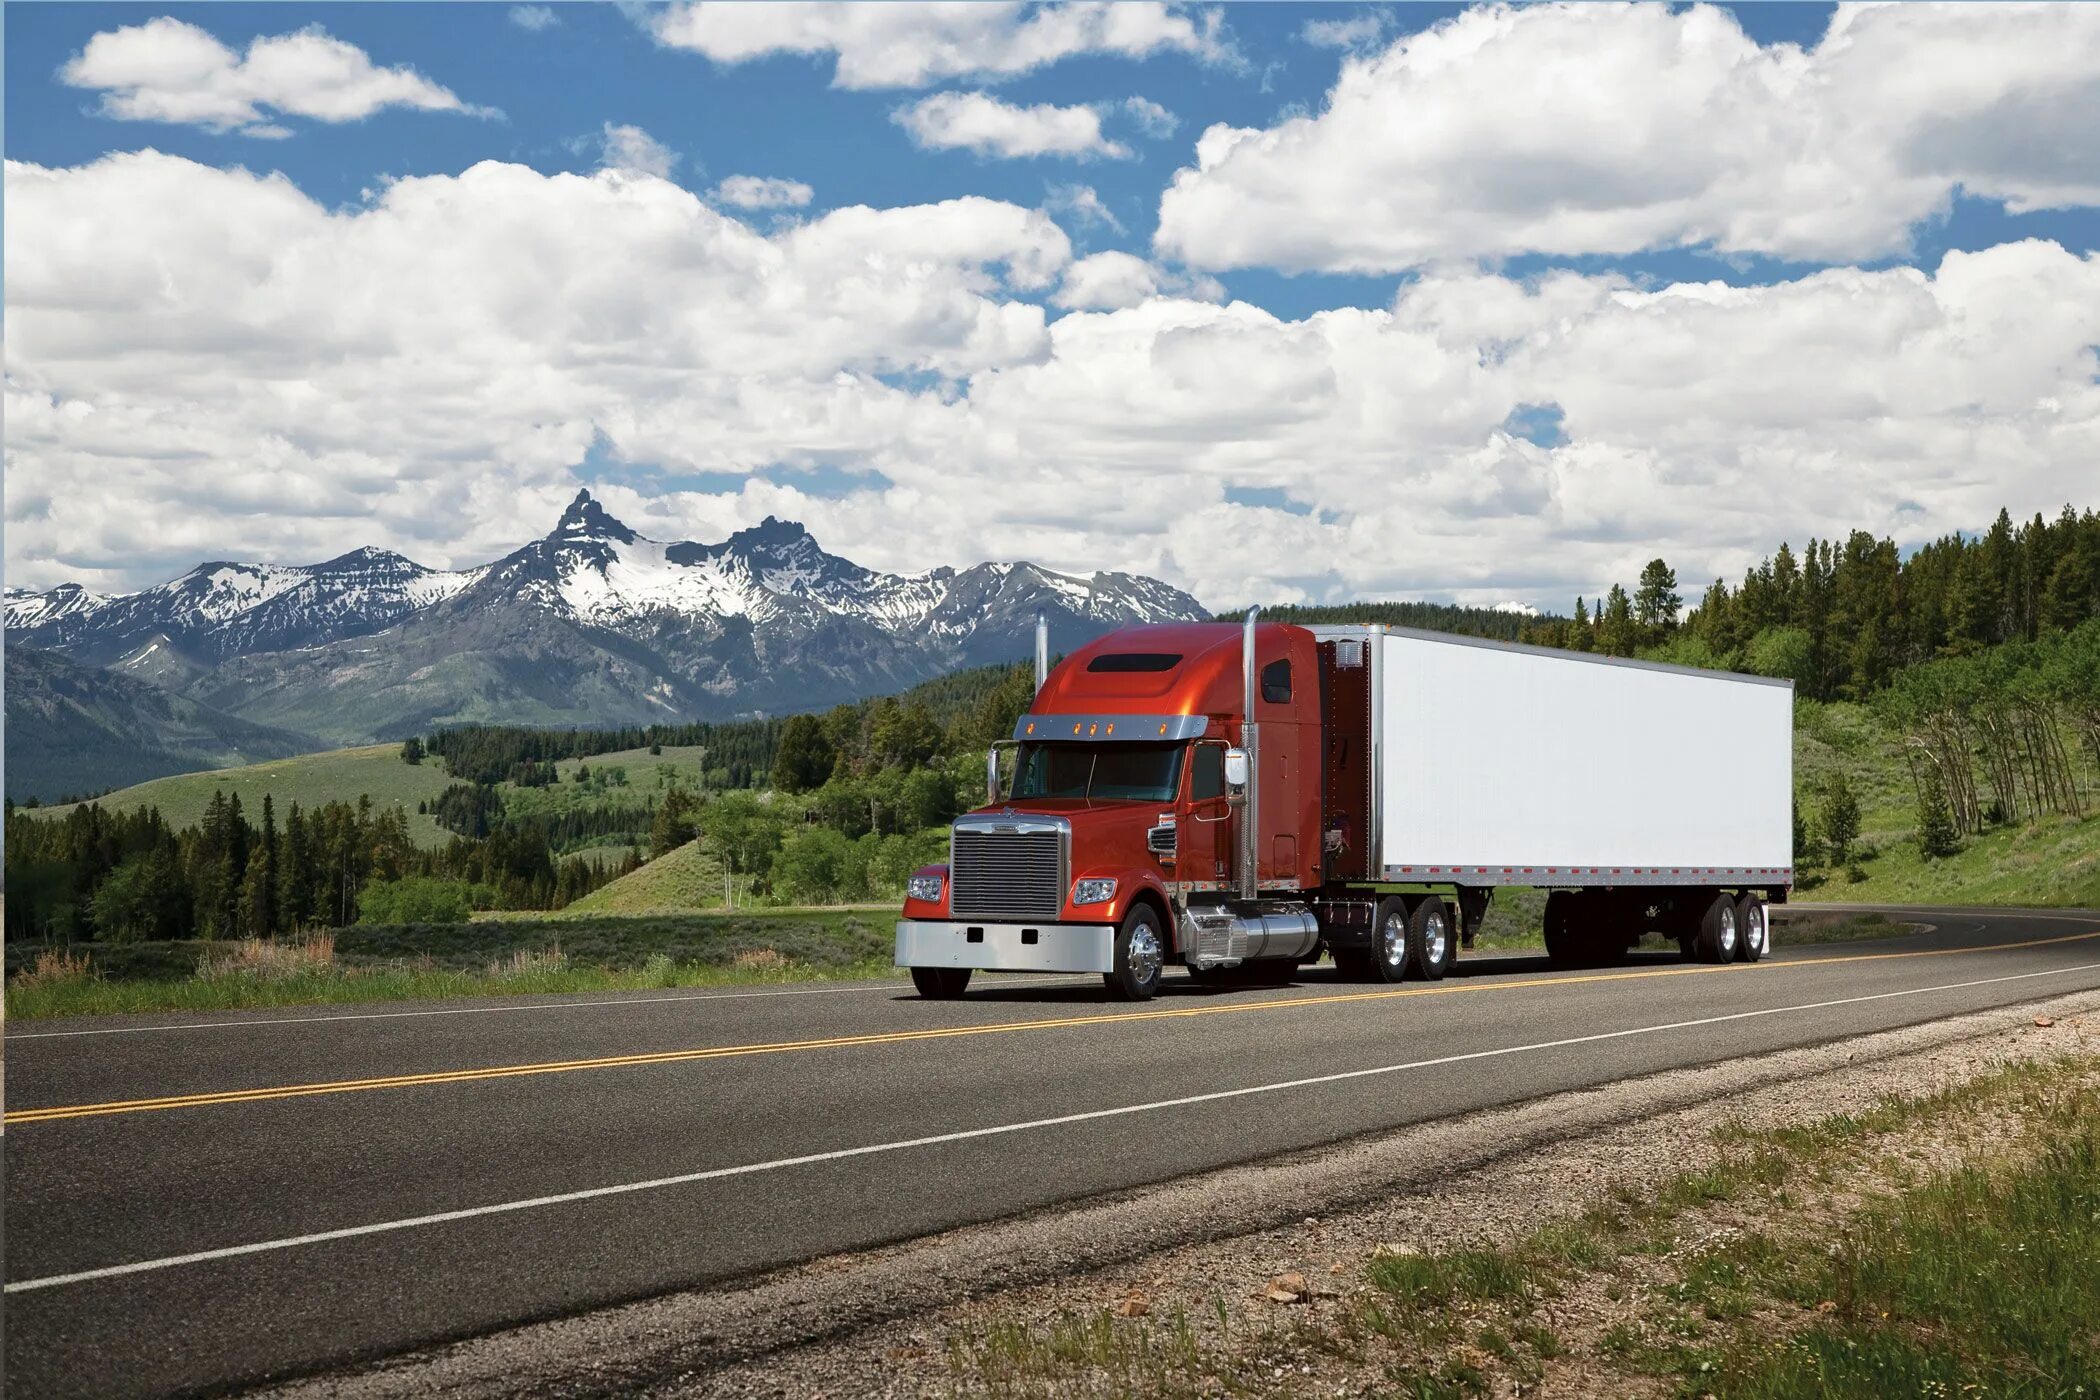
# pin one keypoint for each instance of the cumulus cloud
(534, 17)
(1112, 280)
(1082, 205)
(906, 44)
(976, 121)
(762, 192)
(1152, 119)
(1350, 33)
(168, 71)
(632, 149)
(1617, 128)
(244, 371)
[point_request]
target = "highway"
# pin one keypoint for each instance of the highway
(205, 1202)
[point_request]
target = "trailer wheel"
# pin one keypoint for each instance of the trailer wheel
(1603, 918)
(940, 983)
(1719, 931)
(1754, 927)
(1564, 942)
(1140, 957)
(1432, 946)
(1392, 941)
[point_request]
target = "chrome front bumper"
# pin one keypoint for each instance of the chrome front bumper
(1007, 947)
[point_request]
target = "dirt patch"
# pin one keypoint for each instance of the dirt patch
(1199, 1259)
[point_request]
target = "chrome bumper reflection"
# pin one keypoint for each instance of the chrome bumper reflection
(1006, 947)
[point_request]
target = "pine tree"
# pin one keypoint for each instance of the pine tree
(1656, 600)
(675, 823)
(412, 750)
(1581, 637)
(1936, 835)
(1840, 823)
(803, 759)
(1616, 633)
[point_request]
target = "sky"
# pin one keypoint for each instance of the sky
(1275, 302)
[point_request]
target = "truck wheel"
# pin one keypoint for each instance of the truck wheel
(1391, 941)
(940, 983)
(1140, 957)
(1432, 945)
(1754, 928)
(1719, 931)
(1564, 942)
(1603, 920)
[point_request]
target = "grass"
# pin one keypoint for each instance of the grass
(376, 770)
(1815, 1260)
(422, 961)
(689, 877)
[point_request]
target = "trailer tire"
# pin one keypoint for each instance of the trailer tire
(940, 983)
(1141, 957)
(1432, 944)
(1720, 932)
(1392, 940)
(1753, 927)
(1564, 942)
(1603, 918)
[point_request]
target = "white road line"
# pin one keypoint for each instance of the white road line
(968, 1134)
(530, 1006)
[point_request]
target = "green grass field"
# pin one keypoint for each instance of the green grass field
(687, 878)
(309, 780)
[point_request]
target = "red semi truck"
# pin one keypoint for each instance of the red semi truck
(1240, 799)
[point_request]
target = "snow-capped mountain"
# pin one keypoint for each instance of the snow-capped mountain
(590, 624)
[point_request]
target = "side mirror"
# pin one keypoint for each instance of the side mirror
(991, 774)
(1236, 768)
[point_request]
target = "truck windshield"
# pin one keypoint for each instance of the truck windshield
(1106, 772)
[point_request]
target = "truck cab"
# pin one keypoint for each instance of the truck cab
(1163, 786)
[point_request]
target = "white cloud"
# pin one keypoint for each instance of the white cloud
(1152, 119)
(534, 17)
(976, 121)
(1111, 281)
(1577, 129)
(167, 71)
(1351, 33)
(1082, 206)
(763, 192)
(906, 44)
(634, 150)
(243, 371)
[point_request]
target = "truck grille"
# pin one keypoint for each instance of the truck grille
(1006, 874)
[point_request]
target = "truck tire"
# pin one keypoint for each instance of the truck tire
(940, 983)
(1564, 943)
(1753, 927)
(1432, 942)
(1392, 945)
(1720, 933)
(1141, 957)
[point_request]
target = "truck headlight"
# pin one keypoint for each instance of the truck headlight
(1093, 891)
(924, 888)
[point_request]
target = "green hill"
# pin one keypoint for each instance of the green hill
(676, 882)
(311, 779)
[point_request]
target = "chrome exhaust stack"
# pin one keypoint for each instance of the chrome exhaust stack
(1042, 651)
(1250, 740)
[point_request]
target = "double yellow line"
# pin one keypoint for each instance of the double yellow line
(778, 1047)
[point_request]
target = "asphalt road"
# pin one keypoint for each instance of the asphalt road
(202, 1202)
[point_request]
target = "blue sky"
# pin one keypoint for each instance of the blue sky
(1293, 452)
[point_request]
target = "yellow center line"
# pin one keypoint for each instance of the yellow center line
(721, 1052)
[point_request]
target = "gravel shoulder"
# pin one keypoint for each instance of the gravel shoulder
(884, 1322)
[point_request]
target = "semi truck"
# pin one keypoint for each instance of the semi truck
(1241, 799)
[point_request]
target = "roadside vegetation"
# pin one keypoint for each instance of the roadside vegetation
(1932, 1246)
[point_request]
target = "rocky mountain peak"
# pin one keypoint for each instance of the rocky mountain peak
(585, 519)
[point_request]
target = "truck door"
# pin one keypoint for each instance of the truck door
(1206, 837)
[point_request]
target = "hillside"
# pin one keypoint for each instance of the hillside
(2052, 861)
(344, 775)
(75, 729)
(676, 882)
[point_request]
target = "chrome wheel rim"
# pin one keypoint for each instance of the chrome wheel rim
(1434, 939)
(1392, 939)
(1727, 932)
(1754, 931)
(1144, 953)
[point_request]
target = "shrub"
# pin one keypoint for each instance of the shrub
(53, 967)
(419, 899)
(267, 960)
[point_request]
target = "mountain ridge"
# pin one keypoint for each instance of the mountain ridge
(591, 623)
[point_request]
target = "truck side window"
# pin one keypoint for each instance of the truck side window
(1276, 682)
(1207, 779)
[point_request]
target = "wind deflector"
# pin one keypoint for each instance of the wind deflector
(1128, 661)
